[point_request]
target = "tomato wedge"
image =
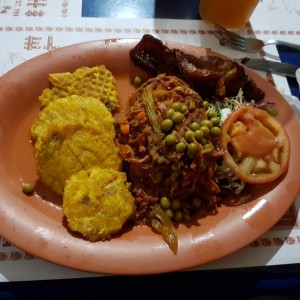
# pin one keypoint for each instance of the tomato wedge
(256, 146)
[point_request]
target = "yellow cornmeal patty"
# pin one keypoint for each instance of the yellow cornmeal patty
(71, 135)
(97, 202)
(97, 82)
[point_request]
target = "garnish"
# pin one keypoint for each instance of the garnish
(256, 146)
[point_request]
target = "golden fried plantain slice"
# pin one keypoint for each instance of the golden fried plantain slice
(97, 202)
(97, 82)
(71, 134)
(73, 149)
(72, 111)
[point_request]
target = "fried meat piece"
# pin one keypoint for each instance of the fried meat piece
(97, 202)
(210, 76)
(97, 82)
(217, 77)
(70, 135)
(154, 57)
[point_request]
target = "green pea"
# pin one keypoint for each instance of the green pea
(205, 131)
(170, 113)
(211, 113)
(28, 188)
(215, 131)
(215, 121)
(165, 202)
(180, 147)
(184, 108)
(178, 216)
(195, 126)
(177, 117)
(166, 125)
(206, 123)
(203, 141)
(175, 204)
(196, 202)
(198, 135)
(171, 139)
(137, 81)
(206, 104)
(169, 213)
(193, 148)
(189, 135)
(177, 106)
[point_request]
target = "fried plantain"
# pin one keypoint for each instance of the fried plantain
(97, 82)
(97, 202)
(71, 135)
(72, 111)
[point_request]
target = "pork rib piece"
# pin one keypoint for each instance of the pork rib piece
(210, 76)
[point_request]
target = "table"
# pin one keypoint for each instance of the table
(55, 25)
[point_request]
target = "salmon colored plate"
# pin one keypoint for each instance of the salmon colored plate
(35, 223)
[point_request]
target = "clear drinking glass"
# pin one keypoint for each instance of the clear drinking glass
(231, 14)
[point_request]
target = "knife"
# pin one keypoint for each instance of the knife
(283, 69)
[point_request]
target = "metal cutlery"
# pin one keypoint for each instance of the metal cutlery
(246, 44)
(283, 69)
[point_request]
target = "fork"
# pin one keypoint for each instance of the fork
(246, 44)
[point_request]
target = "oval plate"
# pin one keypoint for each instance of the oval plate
(35, 223)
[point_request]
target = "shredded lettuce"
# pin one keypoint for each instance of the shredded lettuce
(227, 180)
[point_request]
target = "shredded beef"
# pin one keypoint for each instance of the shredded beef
(156, 169)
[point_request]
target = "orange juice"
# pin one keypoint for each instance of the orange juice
(231, 14)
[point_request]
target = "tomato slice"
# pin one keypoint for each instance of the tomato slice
(256, 146)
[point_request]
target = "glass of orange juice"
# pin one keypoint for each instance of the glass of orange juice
(231, 14)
